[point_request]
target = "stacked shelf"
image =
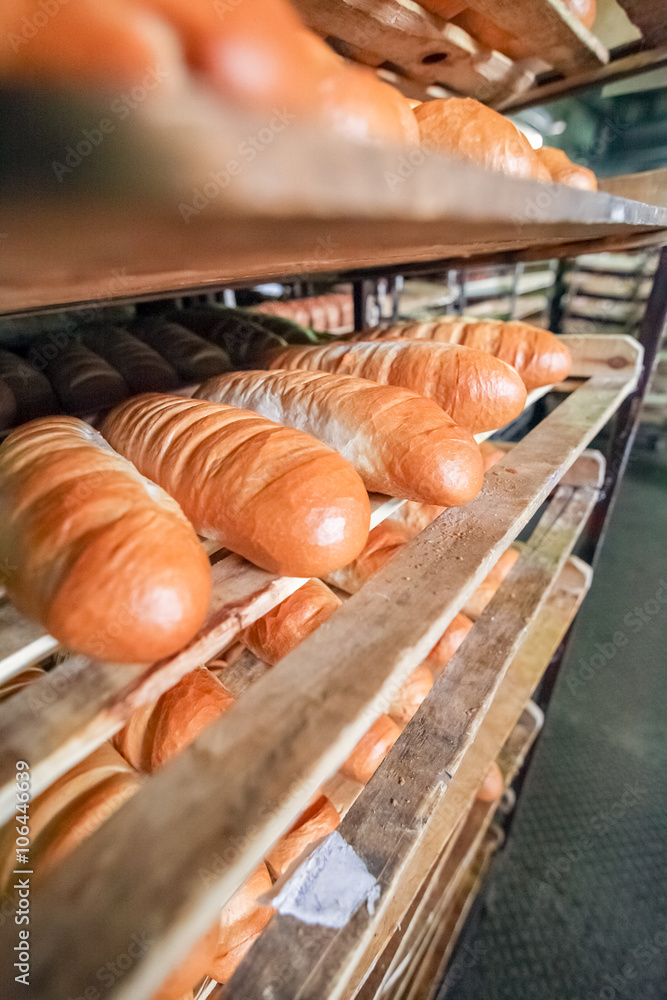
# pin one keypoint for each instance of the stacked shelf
(294, 726)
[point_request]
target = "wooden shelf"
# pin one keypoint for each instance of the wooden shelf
(422, 46)
(123, 224)
(293, 727)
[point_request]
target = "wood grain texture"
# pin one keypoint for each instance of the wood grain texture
(649, 185)
(22, 642)
(554, 33)
(348, 206)
(291, 730)
(387, 825)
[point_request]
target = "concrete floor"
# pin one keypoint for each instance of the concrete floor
(575, 907)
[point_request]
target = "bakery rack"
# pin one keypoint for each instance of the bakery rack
(314, 209)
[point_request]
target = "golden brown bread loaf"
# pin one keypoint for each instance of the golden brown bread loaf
(273, 494)
(563, 171)
(69, 810)
(193, 357)
(241, 922)
(400, 443)
(492, 786)
(331, 312)
(538, 356)
(371, 750)
(319, 819)
(383, 542)
(84, 382)
(465, 129)
(478, 391)
(31, 389)
(478, 601)
(414, 517)
(447, 644)
(411, 695)
(156, 732)
(92, 550)
(142, 368)
(278, 632)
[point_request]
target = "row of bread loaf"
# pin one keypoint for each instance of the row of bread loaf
(124, 43)
(274, 465)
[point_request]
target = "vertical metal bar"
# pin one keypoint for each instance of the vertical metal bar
(362, 290)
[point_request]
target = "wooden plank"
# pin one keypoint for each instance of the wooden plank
(387, 825)
(649, 16)
(522, 676)
(348, 206)
(588, 470)
(22, 642)
(547, 27)
(64, 716)
(422, 45)
(292, 729)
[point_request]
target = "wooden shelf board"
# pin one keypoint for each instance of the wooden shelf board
(114, 235)
(314, 717)
(398, 829)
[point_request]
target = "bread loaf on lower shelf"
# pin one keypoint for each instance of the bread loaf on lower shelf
(371, 750)
(400, 443)
(241, 922)
(478, 391)
(383, 542)
(84, 382)
(478, 601)
(100, 556)
(277, 633)
(32, 391)
(538, 356)
(193, 357)
(448, 643)
(156, 732)
(319, 819)
(273, 494)
(143, 369)
(492, 786)
(411, 694)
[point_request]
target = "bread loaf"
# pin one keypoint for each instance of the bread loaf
(563, 171)
(411, 695)
(83, 381)
(97, 554)
(356, 105)
(414, 517)
(142, 368)
(193, 357)
(277, 633)
(158, 731)
(478, 601)
(447, 644)
(371, 750)
(31, 389)
(400, 443)
(273, 494)
(465, 129)
(317, 821)
(241, 922)
(538, 356)
(383, 542)
(70, 810)
(492, 787)
(234, 330)
(478, 391)
(332, 312)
